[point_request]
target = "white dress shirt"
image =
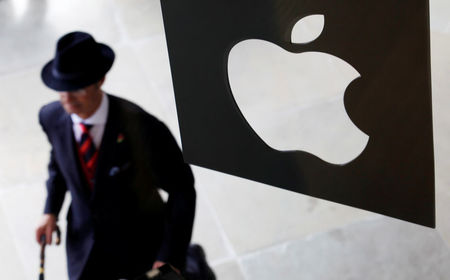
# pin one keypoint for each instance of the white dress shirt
(97, 120)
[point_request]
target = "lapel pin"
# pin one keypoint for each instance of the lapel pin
(120, 138)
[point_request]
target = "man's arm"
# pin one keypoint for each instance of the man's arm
(56, 188)
(175, 177)
(56, 191)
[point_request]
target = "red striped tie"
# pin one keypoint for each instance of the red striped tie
(88, 153)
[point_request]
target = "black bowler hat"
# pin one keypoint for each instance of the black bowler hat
(79, 62)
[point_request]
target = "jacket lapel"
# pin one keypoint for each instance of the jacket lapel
(107, 149)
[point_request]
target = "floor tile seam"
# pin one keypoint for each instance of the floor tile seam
(130, 43)
(228, 245)
(153, 86)
(125, 38)
(223, 260)
(242, 269)
(308, 238)
(139, 42)
(118, 21)
(22, 258)
(440, 231)
(226, 260)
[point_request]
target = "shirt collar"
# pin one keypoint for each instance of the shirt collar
(99, 116)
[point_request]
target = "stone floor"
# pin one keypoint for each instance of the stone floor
(297, 237)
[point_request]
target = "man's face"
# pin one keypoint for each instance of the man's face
(82, 102)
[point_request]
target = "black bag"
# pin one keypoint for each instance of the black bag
(197, 268)
(164, 272)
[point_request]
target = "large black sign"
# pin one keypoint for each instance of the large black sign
(386, 41)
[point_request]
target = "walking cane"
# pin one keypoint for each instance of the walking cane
(43, 243)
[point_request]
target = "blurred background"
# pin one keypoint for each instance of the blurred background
(250, 231)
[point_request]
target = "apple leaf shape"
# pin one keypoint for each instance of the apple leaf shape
(295, 101)
(307, 29)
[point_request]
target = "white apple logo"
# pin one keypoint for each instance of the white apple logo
(295, 101)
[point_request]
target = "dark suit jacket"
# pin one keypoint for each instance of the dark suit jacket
(124, 214)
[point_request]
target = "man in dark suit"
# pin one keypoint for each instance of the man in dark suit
(112, 157)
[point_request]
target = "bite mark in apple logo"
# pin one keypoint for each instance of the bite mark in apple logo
(295, 101)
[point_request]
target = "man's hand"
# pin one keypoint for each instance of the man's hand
(47, 226)
(158, 264)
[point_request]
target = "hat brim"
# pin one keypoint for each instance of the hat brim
(82, 80)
